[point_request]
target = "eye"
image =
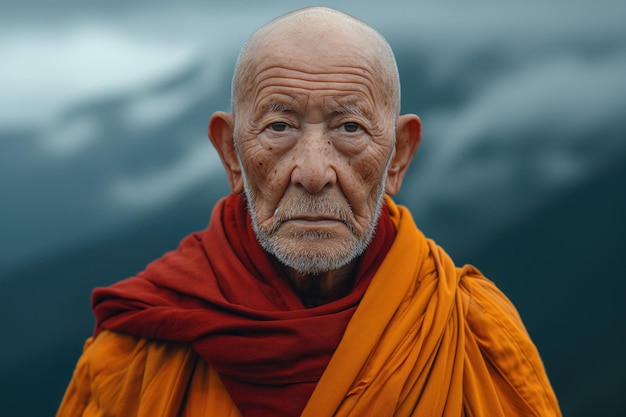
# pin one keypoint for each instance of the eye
(278, 126)
(351, 127)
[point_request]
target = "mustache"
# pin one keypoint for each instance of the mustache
(308, 205)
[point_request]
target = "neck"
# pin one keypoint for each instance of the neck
(322, 288)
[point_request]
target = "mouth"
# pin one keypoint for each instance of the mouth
(313, 222)
(314, 218)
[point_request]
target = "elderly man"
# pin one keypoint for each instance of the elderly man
(310, 293)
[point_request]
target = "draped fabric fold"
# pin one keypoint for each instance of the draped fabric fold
(223, 294)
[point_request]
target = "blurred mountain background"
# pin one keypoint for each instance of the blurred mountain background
(105, 165)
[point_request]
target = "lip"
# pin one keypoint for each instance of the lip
(314, 222)
(315, 218)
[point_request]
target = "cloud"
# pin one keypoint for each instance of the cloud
(64, 139)
(45, 70)
(160, 187)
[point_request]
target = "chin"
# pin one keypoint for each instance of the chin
(315, 254)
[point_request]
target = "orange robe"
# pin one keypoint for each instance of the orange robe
(428, 339)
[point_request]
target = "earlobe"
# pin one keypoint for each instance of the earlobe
(408, 136)
(221, 127)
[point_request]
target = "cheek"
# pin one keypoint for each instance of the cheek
(370, 169)
(362, 185)
(263, 172)
(254, 158)
(260, 170)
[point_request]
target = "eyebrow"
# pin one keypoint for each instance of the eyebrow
(277, 107)
(348, 108)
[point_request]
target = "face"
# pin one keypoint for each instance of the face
(314, 139)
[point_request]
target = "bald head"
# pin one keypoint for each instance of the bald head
(318, 30)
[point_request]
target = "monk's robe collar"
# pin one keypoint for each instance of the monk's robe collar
(223, 294)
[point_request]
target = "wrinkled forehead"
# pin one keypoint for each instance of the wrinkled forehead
(317, 43)
(314, 65)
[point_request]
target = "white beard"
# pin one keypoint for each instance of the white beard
(324, 252)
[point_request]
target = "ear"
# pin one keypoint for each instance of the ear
(221, 127)
(408, 136)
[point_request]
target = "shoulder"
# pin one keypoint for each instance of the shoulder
(494, 321)
(121, 374)
(120, 356)
(486, 300)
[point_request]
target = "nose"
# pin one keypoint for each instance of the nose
(313, 168)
